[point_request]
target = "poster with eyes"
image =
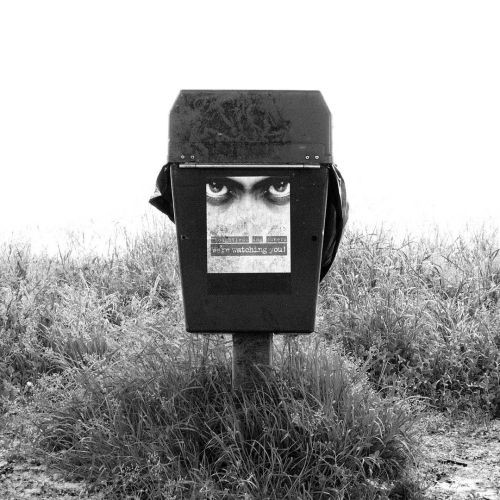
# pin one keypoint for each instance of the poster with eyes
(248, 224)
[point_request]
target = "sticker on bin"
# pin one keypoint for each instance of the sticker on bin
(248, 224)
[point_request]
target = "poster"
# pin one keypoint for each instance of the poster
(248, 224)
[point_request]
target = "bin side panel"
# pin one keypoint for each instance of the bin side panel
(282, 302)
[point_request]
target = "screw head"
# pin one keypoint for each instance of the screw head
(192, 157)
(182, 157)
(316, 157)
(307, 157)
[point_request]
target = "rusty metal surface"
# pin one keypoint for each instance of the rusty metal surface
(250, 126)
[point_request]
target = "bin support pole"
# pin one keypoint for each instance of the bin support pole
(250, 349)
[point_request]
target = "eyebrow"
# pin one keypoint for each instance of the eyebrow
(232, 184)
(267, 181)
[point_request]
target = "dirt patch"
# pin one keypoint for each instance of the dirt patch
(23, 473)
(461, 460)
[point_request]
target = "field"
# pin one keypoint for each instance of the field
(96, 367)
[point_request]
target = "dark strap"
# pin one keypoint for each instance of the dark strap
(337, 213)
(162, 197)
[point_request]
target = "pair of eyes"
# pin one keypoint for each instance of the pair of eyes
(275, 190)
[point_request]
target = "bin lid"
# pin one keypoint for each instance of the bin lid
(250, 126)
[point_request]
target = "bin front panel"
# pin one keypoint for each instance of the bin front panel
(250, 244)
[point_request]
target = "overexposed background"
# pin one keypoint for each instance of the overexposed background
(86, 89)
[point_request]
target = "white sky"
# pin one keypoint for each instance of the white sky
(86, 89)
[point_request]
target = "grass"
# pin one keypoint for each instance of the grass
(315, 429)
(125, 399)
(424, 314)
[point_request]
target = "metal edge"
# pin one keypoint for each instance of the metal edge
(245, 165)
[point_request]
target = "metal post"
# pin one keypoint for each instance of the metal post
(250, 349)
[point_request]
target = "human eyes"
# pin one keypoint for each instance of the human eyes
(277, 191)
(217, 192)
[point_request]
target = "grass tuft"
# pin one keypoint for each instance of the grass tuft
(182, 430)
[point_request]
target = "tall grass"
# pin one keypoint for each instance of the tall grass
(422, 313)
(126, 399)
(154, 426)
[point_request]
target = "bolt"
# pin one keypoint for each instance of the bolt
(182, 157)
